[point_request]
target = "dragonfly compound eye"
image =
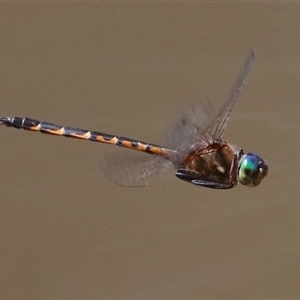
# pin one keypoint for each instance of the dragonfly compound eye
(252, 169)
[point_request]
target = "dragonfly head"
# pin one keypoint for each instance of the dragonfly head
(252, 169)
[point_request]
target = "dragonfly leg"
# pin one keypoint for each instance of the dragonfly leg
(194, 178)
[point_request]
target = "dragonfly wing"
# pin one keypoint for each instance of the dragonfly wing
(185, 133)
(132, 169)
(219, 123)
(201, 123)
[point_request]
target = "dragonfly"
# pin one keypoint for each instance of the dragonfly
(194, 146)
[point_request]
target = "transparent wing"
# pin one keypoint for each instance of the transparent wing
(186, 132)
(219, 123)
(132, 169)
(202, 123)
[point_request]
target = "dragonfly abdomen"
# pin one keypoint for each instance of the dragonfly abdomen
(78, 133)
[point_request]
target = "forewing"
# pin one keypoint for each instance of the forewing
(201, 123)
(219, 123)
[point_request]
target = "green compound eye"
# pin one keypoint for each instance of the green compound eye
(252, 169)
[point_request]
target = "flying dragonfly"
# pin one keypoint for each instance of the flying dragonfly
(194, 147)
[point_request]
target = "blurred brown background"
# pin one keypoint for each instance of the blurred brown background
(125, 68)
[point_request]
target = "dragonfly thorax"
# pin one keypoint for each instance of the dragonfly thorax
(213, 166)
